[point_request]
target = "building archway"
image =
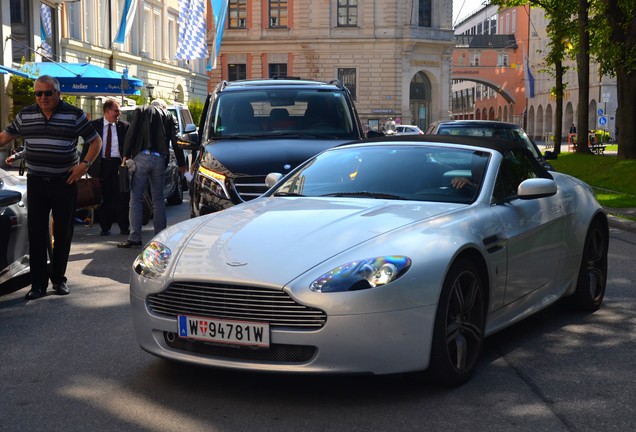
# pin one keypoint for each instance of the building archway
(569, 117)
(591, 121)
(539, 123)
(531, 126)
(420, 100)
(491, 114)
(548, 121)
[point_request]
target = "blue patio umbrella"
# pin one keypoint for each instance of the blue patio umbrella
(81, 78)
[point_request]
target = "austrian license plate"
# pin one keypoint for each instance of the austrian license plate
(230, 332)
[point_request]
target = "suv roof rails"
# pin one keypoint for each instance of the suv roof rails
(223, 84)
(337, 83)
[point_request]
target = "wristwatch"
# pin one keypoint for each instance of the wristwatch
(88, 164)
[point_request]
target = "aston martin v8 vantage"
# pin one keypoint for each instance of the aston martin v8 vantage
(396, 255)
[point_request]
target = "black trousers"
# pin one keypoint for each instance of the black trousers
(114, 206)
(46, 197)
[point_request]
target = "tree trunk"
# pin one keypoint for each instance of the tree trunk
(625, 115)
(558, 115)
(583, 63)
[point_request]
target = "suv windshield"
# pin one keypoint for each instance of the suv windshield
(293, 112)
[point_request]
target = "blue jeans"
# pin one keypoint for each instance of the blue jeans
(149, 168)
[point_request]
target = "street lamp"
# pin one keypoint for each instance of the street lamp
(150, 89)
(176, 94)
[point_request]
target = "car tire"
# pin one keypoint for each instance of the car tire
(176, 197)
(592, 279)
(459, 326)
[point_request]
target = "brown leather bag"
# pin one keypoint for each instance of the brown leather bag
(89, 192)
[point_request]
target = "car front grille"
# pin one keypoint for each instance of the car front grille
(235, 302)
(250, 187)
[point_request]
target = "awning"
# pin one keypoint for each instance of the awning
(81, 78)
(5, 70)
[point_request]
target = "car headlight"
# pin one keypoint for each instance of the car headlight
(153, 261)
(217, 183)
(363, 274)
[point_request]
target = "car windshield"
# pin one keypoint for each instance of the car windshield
(282, 112)
(419, 173)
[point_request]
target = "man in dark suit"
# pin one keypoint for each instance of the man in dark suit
(114, 206)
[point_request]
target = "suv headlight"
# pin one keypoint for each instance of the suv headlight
(217, 182)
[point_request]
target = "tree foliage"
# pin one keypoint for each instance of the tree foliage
(608, 29)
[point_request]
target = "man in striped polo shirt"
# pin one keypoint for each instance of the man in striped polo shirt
(50, 129)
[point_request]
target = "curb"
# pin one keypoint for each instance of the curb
(620, 223)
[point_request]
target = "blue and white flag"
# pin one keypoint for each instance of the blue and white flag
(219, 9)
(192, 30)
(46, 28)
(127, 18)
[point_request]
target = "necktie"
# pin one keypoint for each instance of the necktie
(109, 141)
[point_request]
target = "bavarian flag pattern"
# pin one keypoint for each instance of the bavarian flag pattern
(192, 30)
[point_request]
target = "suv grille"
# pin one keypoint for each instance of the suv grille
(250, 187)
(235, 302)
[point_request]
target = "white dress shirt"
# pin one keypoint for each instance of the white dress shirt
(114, 148)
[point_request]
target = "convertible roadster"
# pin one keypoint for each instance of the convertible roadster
(399, 255)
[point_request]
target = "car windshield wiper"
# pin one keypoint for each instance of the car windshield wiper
(378, 195)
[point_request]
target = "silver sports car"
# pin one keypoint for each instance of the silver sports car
(399, 255)
(14, 243)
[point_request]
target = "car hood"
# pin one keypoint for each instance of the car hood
(259, 156)
(273, 240)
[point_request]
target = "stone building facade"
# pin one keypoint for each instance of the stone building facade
(394, 55)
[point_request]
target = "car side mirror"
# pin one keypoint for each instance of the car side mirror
(550, 155)
(536, 188)
(8, 197)
(272, 179)
(372, 133)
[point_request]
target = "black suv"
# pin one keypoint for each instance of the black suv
(252, 128)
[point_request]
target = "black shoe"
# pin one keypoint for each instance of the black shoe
(104, 233)
(35, 294)
(129, 244)
(124, 231)
(61, 288)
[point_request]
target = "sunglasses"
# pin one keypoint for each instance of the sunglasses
(49, 93)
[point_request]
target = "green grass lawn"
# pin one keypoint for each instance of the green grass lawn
(613, 180)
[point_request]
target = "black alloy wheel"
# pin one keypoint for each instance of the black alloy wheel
(459, 325)
(592, 280)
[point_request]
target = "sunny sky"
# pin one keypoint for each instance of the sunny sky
(462, 8)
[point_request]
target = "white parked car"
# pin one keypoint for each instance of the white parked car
(408, 130)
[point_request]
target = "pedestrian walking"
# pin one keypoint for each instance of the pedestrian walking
(147, 142)
(50, 129)
(114, 206)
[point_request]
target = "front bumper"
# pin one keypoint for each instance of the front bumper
(378, 343)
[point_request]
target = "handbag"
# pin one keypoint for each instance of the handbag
(124, 178)
(89, 192)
